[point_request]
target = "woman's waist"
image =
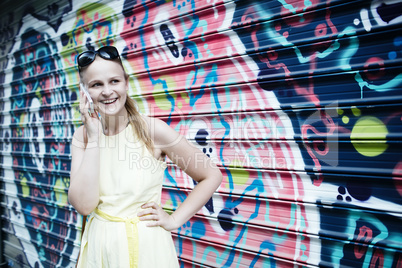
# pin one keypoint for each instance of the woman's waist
(120, 214)
(106, 217)
(123, 209)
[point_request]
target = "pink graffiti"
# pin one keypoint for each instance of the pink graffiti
(374, 74)
(397, 173)
(365, 235)
(378, 259)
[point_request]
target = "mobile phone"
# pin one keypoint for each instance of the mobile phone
(91, 103)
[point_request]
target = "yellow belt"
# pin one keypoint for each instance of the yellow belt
(132, 234)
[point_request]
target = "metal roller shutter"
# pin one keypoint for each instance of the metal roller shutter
(298, 103)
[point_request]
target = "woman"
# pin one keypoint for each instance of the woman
(117, 171)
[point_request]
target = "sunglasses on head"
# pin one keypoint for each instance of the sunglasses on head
(87, 57)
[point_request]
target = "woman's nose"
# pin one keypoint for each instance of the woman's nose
(107, 90)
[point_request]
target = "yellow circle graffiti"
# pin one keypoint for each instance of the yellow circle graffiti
(369, 136)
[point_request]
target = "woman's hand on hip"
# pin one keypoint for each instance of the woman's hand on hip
(156, 216)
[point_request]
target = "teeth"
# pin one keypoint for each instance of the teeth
(108, 101)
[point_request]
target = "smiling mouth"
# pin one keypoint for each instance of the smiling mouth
(106, 102)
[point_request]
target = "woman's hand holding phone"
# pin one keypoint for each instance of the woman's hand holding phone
(89, 115)
(89, 99)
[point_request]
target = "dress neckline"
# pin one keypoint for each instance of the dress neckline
(118, 134)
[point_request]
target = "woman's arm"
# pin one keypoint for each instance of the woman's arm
(83, 192)
(192, 161)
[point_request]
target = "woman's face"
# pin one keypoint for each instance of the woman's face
(107, 85)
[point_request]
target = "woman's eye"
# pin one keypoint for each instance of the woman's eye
(115, 81)
(96, 85)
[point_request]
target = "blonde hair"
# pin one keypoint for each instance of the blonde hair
(138, 123)
(135, 119)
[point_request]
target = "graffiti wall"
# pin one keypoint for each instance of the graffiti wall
(297, 102)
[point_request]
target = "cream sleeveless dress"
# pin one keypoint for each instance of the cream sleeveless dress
(114, 237)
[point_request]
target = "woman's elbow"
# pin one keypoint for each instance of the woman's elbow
(82, 207)
(217, 175)
(84, 212)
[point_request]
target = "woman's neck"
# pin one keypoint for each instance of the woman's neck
(113, 125)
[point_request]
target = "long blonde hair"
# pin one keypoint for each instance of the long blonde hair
(138, 123)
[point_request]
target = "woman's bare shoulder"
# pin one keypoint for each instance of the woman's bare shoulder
(79, 137)
(160, 131)
(79, 132)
